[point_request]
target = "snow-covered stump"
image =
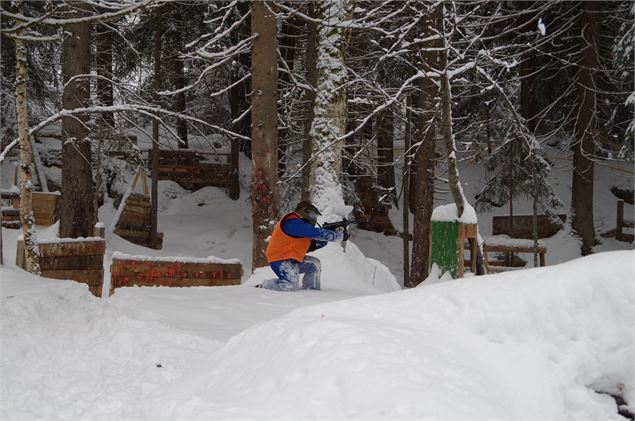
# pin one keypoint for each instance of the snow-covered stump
(128, 270)
(449, 233)
(76, 259)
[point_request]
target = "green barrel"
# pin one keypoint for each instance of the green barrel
(444, 251)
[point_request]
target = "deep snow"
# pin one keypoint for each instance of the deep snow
(528, 344)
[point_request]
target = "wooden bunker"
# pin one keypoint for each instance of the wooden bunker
(504, 244)
(133, 221)
(45, 208)
(80, 260)
(193, 170)
(523, 226)
(127, 270)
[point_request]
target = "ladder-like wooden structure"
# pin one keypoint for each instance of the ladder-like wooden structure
(133, 221)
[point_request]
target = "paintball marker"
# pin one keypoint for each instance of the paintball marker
(344, 223)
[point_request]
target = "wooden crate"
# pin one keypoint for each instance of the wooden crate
(81, 261)
(170, 272)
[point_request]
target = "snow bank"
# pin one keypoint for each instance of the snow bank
(69, 355)
(529, 344)
(449, 213)
(345, 271)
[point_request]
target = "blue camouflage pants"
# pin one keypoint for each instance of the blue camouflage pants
(288, 273)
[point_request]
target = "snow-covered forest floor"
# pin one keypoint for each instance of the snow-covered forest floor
(532, 344)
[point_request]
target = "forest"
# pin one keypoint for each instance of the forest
(361, 163)
(374, 102)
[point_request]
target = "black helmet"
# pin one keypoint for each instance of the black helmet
(308, 211)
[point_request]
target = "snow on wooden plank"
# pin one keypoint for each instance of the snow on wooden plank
(173, 271)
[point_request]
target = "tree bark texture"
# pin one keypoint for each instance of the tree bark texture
(77, 211)
(425, 161)
(157, 82)
(26, 158)
(585, 127)
(385, 153)
(330, 110)
(405, 208)
(289, 35)
(311, 77)
(103, 63)
(264, 130)
(180, 103)
(238, 101)
(448, 136)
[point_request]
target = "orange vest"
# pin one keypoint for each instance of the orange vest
(284, 247)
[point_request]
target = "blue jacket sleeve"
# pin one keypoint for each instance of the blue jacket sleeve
(301, 229)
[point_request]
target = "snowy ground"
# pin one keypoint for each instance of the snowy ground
(531, 344)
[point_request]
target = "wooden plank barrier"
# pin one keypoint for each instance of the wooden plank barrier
(505, 244)
(127, 270)
(45, 208)
(193, 170)
(78, 260)
(134, 222)
(622, 223)
(523, 226)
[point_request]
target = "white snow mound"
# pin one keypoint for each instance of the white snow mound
(346, 270)
(529, 344)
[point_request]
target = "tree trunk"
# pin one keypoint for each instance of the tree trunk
(385, 154)
(405, 209)
(288, 37)
(330, 110)
(157, 82)
(582, 185)
(425, 160)
(527, 81)
(448, 136)
(311, 77)
(103, 61)
(264, 79)
(77, 211)
(180, 104)
(239, 103)
(26, 157)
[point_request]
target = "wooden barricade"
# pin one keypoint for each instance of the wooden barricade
(45, 208)
(10, 216)
(127, 270)
(510, 246)
(193, 170)
(622, 223)
(524, 225)
(134, 221)
(77, 260)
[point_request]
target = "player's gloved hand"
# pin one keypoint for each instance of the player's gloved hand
(330, 235)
